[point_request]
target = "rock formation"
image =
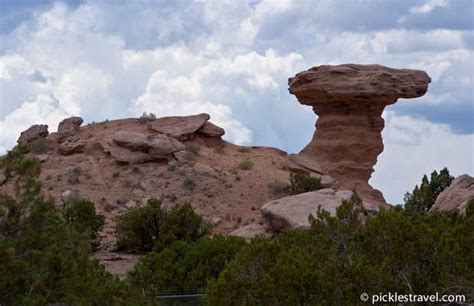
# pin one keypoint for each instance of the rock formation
(179, 127)
(456, 196)
(293, 211)
(68, 136)
(71, 145)
(349, 101)
(163, 139)
(211, 130)
(68, 127)
(33, 133)
(148, 147)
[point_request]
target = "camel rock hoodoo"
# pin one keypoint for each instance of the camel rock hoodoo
(349, 100)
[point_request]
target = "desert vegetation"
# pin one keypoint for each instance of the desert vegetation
(45, 251)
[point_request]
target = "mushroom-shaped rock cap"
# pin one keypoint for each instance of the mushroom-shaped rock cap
(351, 83)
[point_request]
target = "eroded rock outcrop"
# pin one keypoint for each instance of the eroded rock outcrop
(33, 133)
(68, 127)
(71, 145)
(293, 211)
(134, 147)
(179, 127)
(209, 129)
(68, 136)
(456, 196)
(349, 100)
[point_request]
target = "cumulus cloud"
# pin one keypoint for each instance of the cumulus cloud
(414, 147)
(232, 59)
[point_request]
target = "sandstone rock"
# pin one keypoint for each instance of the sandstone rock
(349, 100)
(251, 230)
(158, 146)
(124, 155)
(68, 127)
(209, 129)
(293, 211)
(131, 140)
(71, 145)
(34, 132)
(162, 146)
(455, 197)
(302, 163)
(179, 127)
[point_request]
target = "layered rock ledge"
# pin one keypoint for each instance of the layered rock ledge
(349, 100)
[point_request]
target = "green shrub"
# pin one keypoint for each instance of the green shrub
(184, 267)
(40, 146)
(45, 258)
(145, 228)
(140, 227)
(246, 165)
(339, 257)
(422, 198)
(278, 187)
(182, 223)
(28, 166)
(145, 117)
(81, 215)
(303, 182)
(19, 162)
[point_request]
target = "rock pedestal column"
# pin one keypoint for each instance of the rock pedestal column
(349, 101)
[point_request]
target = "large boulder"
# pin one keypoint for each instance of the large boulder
(68, 127)
(71, 145)
(456, 196)
(134, 147)
(209, 129)
(349, 101)
(179, 127)
(33, 133)
(131, 140)
(162, 146)
(293, 211)
(125, 155)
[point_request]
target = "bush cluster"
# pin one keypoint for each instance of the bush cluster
(423, 197)
(45, 254)
(145, 117)
(145, 228)
(338, 258)
(299, 183)
(303, 182)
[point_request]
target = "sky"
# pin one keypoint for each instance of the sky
(115, 59)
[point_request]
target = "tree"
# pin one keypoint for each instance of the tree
(145, 228)
(184, 267)
(423, 197)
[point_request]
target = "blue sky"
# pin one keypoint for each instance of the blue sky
(114, 59)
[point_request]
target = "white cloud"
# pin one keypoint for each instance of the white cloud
(428, 6)
(43, 110)
(232, 60)
(414, 147)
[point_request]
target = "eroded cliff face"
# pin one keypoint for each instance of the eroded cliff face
(349, 101)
